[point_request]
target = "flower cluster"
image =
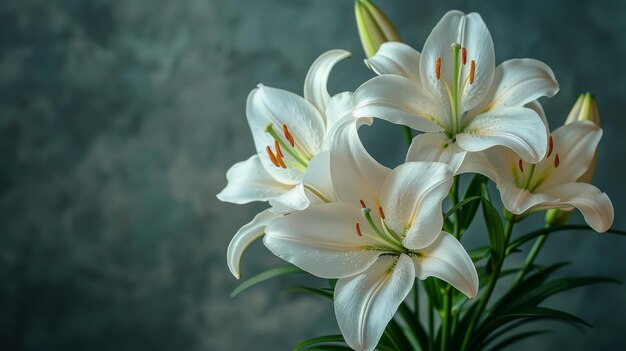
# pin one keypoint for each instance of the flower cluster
(337, 213)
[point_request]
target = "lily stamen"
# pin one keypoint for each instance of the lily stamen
(362, 203)
(288, 136)
(472, 71)
(279, 152)
(291, 150)
(438, 68)
(357, 228)
(521, 167)
(464, 56)
(272, 157)
(556, 161)
(380, 212)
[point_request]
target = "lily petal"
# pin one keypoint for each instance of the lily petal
(355, 174)
(249, 181)
(447, 260)
(498, 164)
(366, 302)
(472, 34)
(576, 144)
(595, 205)
(519, 129)
(412, 196)
(322, 241)
(436, 147)
(267, 105)
(293, 200)
(396, 58)
(317, 181)
(398, 100)
(520, 81)
(338, 113)
(316, 81)
(244, 237)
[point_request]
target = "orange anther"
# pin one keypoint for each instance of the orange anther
(272, 157)
(288, 135)
(362, 203)
(463, 56)
(279, 152)
(381, 213)
(556, 161)
(438, 68)
(357, 228)
(521, 167)
(472, 71)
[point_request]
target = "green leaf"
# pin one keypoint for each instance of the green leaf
(319, 340)
(510, 340)
(464, 202)
(261, 277)
(308, 290)
(432, 288)
(474, 188)
(534, 234)
(479, 253)
(533, 313)
(494, 229)
(416, 327)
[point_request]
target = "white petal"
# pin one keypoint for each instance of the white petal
(317, 180)
(338, 113)
(366, 302)
(267, 105)
(436, 147)
(595, 205)
(520, 81)
(499, 164)
(576, 144)
(519, 129)
(355, 174)
(536, 106)
(396, 58)
(249, 181)
(398, 100)
(471, 33)
(293, 200)
(447, 260)
(244, 237)
(322, 240)
(411, 199)
(315, 90)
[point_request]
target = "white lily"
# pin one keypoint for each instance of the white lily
(454, 93)
(377, 254)
(555, 181)
(291, 135)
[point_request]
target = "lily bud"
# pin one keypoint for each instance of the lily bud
(374, 27)
(585, 109)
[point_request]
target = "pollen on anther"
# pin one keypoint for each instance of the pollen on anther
(463, 56)
(556, 161)
(279, 152)
(472, 71)
(288, 135)
(521, 167)
(550, 146)
(438, 68)
(272, 157)
(357, 228)
(380, 212)
(281, 162)
(362, 203)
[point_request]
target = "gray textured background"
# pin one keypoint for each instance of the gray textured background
(119, 119)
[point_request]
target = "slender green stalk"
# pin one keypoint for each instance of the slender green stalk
(416, 301)
(408, 135)
(431, 326)
(484, 300)
(447, 318)
(530, 259)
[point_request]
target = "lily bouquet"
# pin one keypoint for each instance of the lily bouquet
(378, 234)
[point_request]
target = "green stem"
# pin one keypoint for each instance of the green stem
(510, 220)
(447, 318)
(530, 259)
(408, 135)
(416, 301)
(431, 326)
(455, 120)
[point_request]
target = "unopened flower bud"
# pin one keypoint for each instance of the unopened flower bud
(585, 109)
(374, 27)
